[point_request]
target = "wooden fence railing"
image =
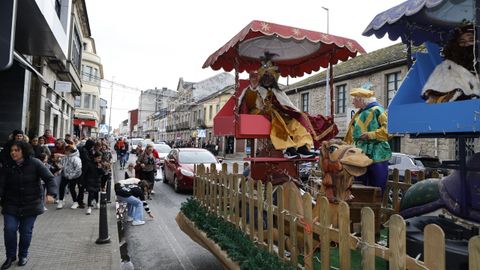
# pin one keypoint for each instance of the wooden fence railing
(250, 206)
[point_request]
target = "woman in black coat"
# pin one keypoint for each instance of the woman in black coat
(21, 199)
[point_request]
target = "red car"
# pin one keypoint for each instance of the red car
(179, 164)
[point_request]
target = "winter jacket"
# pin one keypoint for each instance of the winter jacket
(21, 188)
(149, 162)
(93, 176)
(72, 166)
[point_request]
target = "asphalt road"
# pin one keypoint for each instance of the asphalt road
(160, 244)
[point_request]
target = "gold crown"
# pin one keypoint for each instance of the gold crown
(269, 68)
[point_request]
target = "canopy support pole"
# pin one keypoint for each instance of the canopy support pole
(332, 97)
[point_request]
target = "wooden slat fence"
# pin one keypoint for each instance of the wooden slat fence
(244, 202)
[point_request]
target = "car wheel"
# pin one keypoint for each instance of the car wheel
(164, 176)
(176, 188)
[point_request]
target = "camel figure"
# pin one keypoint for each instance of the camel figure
(340, 163)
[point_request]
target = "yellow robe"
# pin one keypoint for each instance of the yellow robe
(285, 131)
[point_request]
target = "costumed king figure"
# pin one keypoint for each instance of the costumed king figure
(292, 131)
(368, 131)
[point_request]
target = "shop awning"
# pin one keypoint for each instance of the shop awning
(85, 122)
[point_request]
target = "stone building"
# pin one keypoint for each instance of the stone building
(384, 70)
(39, 88)
(182, 109)
(87, 105)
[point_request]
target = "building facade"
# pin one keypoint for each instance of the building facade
(38, 89)
(87, 105)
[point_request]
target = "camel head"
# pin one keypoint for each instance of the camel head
(340, 163)
(339, 156)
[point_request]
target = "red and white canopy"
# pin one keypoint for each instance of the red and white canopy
(297, 50)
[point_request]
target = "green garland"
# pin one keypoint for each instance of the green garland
(235, 242)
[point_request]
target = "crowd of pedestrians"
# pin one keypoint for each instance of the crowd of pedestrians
(33, 172)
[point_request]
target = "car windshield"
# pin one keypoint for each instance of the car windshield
(136, 141)
(418, 162)
(430, 162)
(195, 157)
(162, 148)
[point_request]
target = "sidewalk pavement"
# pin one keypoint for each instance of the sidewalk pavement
(65, 239)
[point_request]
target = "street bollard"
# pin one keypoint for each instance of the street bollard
(103, 237)
(109, 187)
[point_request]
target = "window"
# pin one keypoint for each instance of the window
(340, 105)
(204, 113)
(90, 74)
(86, 101)
(210, 112)
(305, 98)
(217, 108)
(470, 147)
(58, 7)
(94, 102)
(194, 115)
(76, 50)
(78, 101)
(393, 82)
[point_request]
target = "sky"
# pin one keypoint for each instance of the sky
(145, 44)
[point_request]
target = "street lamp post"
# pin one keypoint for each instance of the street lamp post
(110, 113)
(328, 87)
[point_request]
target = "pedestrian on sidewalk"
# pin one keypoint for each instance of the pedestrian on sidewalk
(71, 166)
(93, 180)
(21, 199)
(86, 155)
(148, 164)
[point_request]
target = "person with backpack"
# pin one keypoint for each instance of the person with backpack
(71, 166)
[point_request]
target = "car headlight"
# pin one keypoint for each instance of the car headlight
(186, 172)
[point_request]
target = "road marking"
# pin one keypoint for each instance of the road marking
(173, 243)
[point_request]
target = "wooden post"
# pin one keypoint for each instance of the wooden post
(251, 205)
(397, 241)
(201, 175)
(368, 237)
(260, 212)
(235, 168)
(344, 235)
(421, 176)
(225, 196)
(293, 228)
(281, 222)
(236, 199)
(195, 173)
(308, 231)
(395, 200)
(244, 204)
(214, 179)
(223, 191)
(324, 214)
(408, 177)
(270, 217)
(474, 252)
(231, 198)
(434, 247)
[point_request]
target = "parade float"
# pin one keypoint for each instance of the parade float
(269, 219)
(439, 98)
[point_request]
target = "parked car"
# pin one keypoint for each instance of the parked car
(162, 150)
(404, 162)
(133, 144)
(179, 164)
(432, 164)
